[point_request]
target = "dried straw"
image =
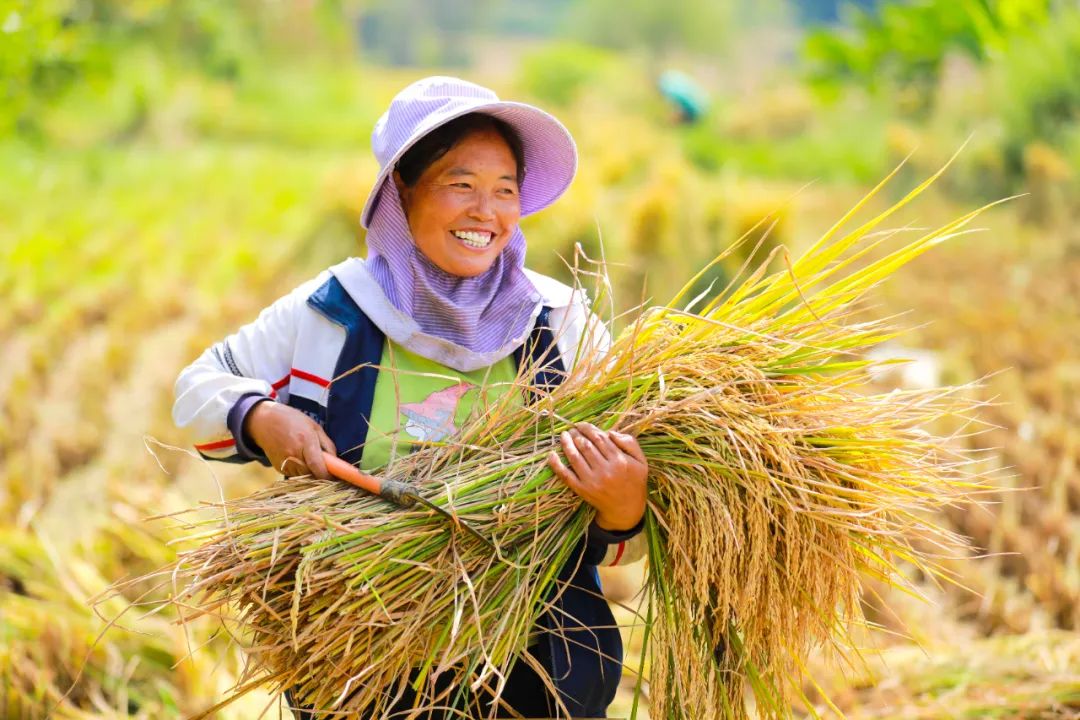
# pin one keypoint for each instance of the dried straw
(775, 484)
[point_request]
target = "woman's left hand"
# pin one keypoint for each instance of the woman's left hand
(608, 471)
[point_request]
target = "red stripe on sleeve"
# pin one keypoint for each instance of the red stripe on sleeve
(219, 445)
(618, 555)
(281, 383)
(309, 377)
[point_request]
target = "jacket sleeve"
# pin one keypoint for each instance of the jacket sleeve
(610, 549)
(583, 332)
(231, 376)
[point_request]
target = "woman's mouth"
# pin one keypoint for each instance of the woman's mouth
(473, 238)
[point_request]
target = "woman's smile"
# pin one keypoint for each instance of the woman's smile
(474, 239)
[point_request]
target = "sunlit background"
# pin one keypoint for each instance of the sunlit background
(167, 168)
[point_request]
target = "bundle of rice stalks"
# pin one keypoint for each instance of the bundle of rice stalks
(774, 485)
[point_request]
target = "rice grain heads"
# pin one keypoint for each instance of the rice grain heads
(775, 483)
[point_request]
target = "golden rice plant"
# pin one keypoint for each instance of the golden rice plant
(1035, 676)
(776, 483)
(54, 660)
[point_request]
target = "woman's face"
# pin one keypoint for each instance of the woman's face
(464, 208)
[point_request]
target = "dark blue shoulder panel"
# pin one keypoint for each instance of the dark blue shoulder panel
(352, 391)
(541, 352)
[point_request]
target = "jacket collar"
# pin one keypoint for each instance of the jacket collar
(366, 292)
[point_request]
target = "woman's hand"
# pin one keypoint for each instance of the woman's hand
(292, 441)
(608, 471)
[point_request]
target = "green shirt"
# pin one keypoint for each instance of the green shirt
(418, 400)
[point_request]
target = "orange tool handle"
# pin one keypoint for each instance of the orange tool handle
(394, 491)
(352, 474)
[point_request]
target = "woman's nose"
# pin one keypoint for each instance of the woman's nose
(483, 207)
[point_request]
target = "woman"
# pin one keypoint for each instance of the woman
(445, 302)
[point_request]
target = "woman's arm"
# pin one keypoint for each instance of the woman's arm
(216, 395)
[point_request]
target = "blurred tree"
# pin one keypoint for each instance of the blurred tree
(829, 11)
(49, 46)
(536, 18)
(703, 26)
(421, 32)
(906, 43)
(43, 50)
(1035, 86)
(558, 72)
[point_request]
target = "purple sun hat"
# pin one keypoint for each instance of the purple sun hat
(550, 153)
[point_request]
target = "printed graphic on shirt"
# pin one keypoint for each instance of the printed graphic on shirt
(432, 419)
(419, 401)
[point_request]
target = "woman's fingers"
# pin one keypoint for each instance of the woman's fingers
(609, 471)
(599, 440)
(574, 455)
(324, 440)
(629, 445)
(564, 473)
(293, 441)
(589, 451)
(313, 457)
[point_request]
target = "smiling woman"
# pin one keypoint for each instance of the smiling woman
(439, 323)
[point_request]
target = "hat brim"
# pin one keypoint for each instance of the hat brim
(549, 150)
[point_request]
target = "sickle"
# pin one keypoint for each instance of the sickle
(398, 493)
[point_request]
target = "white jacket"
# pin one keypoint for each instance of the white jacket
(290, 352)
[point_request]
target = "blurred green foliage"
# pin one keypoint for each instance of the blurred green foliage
(559, 72)
(93, 71)
(40, 56)
(51, 46)
(1035, 87)
(1000, 73)
(421, 32)
(907, 43)
(660, 27)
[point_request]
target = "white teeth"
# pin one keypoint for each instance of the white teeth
(474, 239)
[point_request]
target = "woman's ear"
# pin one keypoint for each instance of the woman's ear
(404, 191)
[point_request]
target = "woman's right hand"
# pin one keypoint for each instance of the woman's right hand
(292, 441)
